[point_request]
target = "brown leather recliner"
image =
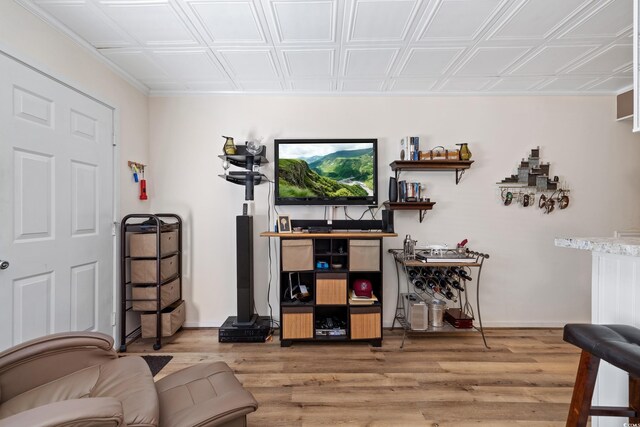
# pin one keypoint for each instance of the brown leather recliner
(77, 379)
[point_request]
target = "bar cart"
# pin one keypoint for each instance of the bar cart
(429, 274)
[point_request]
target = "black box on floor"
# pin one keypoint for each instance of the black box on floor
(258, 332)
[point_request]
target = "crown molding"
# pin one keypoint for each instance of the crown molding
(181, 93)
(50, 20)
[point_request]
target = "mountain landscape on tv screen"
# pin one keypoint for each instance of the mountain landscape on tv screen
(346, 173)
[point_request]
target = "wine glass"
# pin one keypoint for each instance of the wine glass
(254, 146)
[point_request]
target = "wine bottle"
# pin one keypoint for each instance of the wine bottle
(432, 283)
(457, 285)
(447, 293)
(445, 289)
(419, 282)
(461, 272)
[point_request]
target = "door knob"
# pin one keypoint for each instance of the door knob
(4, 264)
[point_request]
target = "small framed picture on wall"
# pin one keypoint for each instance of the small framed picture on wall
(284, 224)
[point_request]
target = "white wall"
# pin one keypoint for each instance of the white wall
(527, 280)
(24, 35)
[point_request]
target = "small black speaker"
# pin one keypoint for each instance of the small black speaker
(393, 189)
(387, 221)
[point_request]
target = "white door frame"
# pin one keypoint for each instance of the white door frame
(68, 83)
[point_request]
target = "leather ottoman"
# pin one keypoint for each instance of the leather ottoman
(204, 395)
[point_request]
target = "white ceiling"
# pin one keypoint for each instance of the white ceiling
(358, 46)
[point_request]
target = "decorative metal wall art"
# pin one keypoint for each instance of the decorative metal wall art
(533, 186)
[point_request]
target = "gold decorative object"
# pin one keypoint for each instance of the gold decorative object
(465, 153)
(229, 147)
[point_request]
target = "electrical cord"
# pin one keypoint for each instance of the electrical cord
(346, 215)
(272, 322)
(364, 213)
(369, 209)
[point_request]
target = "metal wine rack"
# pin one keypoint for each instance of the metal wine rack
(417, 265)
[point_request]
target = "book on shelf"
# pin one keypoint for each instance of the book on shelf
(356, 300)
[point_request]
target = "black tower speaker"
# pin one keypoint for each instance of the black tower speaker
(387, 221)
(393, 189)
(244, 270)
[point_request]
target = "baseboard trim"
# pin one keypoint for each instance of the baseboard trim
(511, 324)
(497, 324)
(205, 324)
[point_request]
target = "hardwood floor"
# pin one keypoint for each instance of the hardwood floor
(526, 378)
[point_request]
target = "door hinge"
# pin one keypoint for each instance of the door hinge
(113, 318)
(113, 228)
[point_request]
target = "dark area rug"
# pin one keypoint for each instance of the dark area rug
(156, 363)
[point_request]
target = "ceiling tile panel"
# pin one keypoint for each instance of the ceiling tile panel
(516, 84)
(412, 85)
(613, 84)
(460, 84)
(381, 20)
(312, 85)
(551, 59)
(250, 64)
(304, 21)
(257, 86)
(86, 21)
(367, 46)
(627, 71)
(229, 21)
(609, 20)
(490, 61)
(361, 85)
(166, 86)
(460, 19)
(535, 19)
(429, 61)
(309, 63)
(211, 86)
(566, 84)
(369, 62)
(610, 60)
(150, 23)
(136, 63)
(189, 65)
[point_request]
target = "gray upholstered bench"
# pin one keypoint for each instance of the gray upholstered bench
(616, 344)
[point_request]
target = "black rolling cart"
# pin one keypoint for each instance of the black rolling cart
(150, 276)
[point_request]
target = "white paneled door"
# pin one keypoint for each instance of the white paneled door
(56, 207)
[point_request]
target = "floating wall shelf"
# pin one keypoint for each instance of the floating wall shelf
(423, 207)
(432, 165)
(397, 166)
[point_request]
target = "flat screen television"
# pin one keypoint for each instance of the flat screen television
(333, 172)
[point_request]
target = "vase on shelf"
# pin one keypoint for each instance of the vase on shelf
(465, 153)
(393, 189)
(229, 148)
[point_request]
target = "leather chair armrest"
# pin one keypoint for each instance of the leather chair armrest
(45, 359)
(88, 412)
